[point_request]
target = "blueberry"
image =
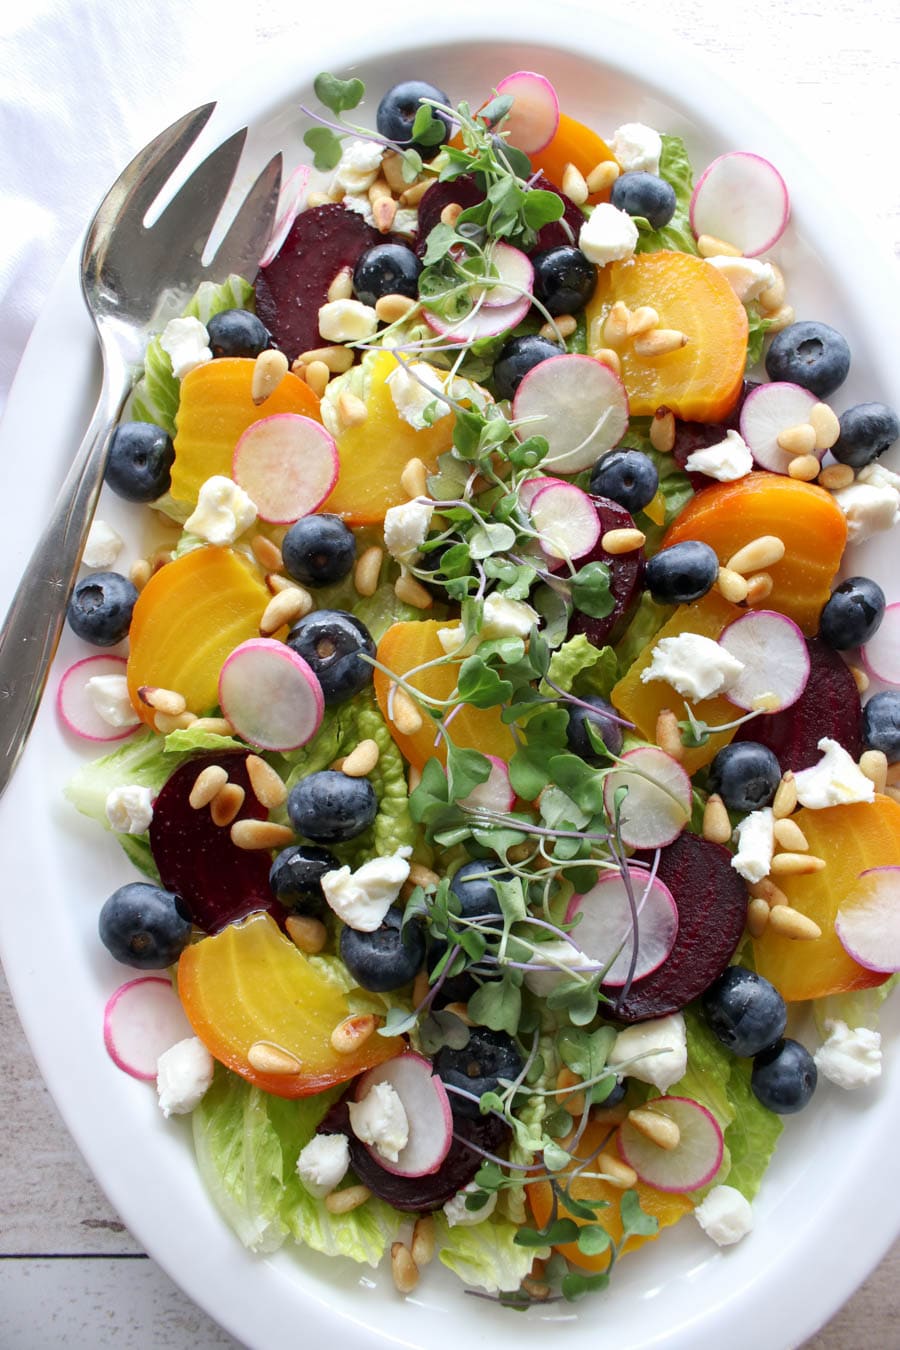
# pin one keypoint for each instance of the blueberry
(328, 807)
(881, 724)
(143, 926)
(296, 878)
(866, 432)
(784, 1077)
(140, 461)
(681, 574)
(437, 576)
(318, 550)
(100, 608)
(609, 731)
(517, 357)
(476, 892)
(809, 354)
(332, 642)
(616, 1094)
(746, 775)
(386, 269)
(387, 958)
(397, 113)
(564, 279)
(852, 614)
(744, 1011)
(237, 332)
(644, 194)
(627, 477)
(478, 1067)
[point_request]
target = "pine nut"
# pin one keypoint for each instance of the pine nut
(307, 934)
(166, 723)
(789, 836)
(795, 864)
(268, 1058)
(824, 422)
(403, 1268)
(392, 168)
(215, 726)
(574, 185)
(412, 592)
(785, 800)
(451, 214)
(782, 318)
(574, 1102)
(384, 212)
(269, 369)
(642, 320)
(267, 785)
(423, 876)
(317, 199)
(759, 553)
(893, 774)
(337, 359)
(708, 246)
(391, 308)
(285, 607)
(772, 298)
(420, 988)
(350, 1198)
(353, 1032)
(367, 572)
(804, 468)
(159, 558)
(732, 586)
(411, 196)
(757, 917)
(277, 583)
(536, 1289)
(403, 712)
(602, 176)
(266, 553)
(413, 775)
(563, 325)
(797, 440)
(662, 431)
(166, 701)
(254, 834)
(860, 678)
(759, 588)
(616, 1172)
(424, 1244)
(460, 1010)
(765, 889)
(207, 785)
(225, 805)
(659, 1128)
(660, 342)
(607, 357)
(341, 287)
(873, 763)
(836, 476)
(352, 411)
(622, 541)
(615, 326)
(790, 923)
(140, 573)
(378, 190)
(317, 376)
(668, 736)
(716, 824)
(414, 478)
(362, 760)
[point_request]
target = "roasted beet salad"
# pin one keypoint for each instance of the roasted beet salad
(491, 741)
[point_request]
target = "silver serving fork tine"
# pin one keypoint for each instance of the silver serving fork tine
(124, 266)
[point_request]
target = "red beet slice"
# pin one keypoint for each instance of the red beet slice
(421, 1194)
(626, 578)
(292, 289)
(217, 881)
(467, 193)
(691, 436)
(712, 906)
(829, 706)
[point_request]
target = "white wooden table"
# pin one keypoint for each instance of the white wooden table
(70, 1274)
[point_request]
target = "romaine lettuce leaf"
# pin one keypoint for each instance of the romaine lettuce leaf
(485, 1255)
(646, 622)
(675, 168)
(578, 666)
(859, 1009)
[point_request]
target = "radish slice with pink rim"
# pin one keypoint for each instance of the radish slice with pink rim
(606, 931)
(867, 923)
(657, 805)
(566, 520)
(769, 410)
(775, 657)
(693, 1162)
(495, 793)
(485, 321)
(270, 695)
(427, 1106)
(76, 707)
(290, 204)
(741, 199)
(534, 116)
(287, 464)
(579, 405)
(142, 1020)
(881, 654)
(515, 277)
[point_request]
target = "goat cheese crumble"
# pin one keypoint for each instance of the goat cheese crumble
(835, 781)
(223, 511)
(695, 666)
(725, 1215)
(362, 898)
(380, 1121)
(849, 1059)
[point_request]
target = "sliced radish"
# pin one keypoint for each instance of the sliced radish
(142, 1020)
(486, 321)
(742, 199)
(566, 520)
(290, 203)
(868, 921)
(579, 405)
(775, 657)
(881, 654)
(693, 1162)
(607, 928)
(769, 410)
(287, 464)
(534, 116)
(495, 793)
(270, 695)
(427, 1108)
(658, 803)
(515, 277)
(529, 489)
(76, 707)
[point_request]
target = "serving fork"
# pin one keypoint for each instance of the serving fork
(126, 268)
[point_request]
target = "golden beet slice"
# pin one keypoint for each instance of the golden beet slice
(701, 381)
(250, 984)
(573, 143)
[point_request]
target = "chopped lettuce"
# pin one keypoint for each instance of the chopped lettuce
(646, 622)
(485, 1255)
(363, 1235)
(858, 1009)
(675, 168)
(757, 329)
(580, 667)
